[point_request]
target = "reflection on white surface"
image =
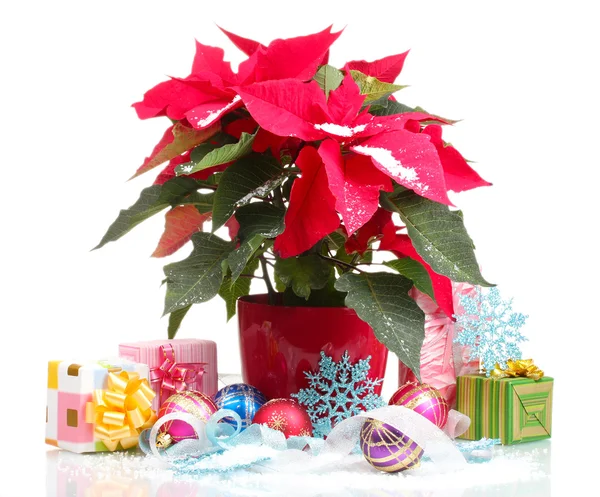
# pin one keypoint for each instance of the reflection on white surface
(520, 470)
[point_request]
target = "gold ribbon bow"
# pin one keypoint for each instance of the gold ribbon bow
(121, 411)
(521, 368)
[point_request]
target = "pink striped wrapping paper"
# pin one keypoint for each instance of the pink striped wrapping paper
(186, 351)
(442, 360)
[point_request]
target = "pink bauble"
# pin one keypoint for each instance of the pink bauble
(286, 416)
(424, 399)
(197, 404)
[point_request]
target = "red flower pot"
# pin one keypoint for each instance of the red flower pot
(279, 343)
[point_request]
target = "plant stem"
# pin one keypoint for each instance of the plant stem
(341, 263)
(270, 289)
(278, 197)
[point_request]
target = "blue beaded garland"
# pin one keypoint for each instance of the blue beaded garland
(243, 399)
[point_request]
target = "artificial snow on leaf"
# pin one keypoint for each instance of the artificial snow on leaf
(488, 325)
(252, 176)
(439, 236)
(197, 278)
(382, 300)
(338, 391)
(260, 218)
(437, 286)
(222, 155)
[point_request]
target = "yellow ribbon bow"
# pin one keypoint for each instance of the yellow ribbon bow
(121, 411)
(521, 368)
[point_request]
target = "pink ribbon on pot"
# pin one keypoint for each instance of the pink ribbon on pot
(174, 377)
(441, 359)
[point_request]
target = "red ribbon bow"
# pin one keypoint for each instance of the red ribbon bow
(174, 377)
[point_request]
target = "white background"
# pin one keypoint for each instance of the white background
(521, 75)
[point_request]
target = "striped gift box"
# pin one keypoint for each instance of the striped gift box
(512, 409)
(185, 352)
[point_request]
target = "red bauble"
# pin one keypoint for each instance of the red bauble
(424, 399)
(286, 416)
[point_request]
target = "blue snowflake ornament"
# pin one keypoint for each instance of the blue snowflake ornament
(490, 328)
(337, 392)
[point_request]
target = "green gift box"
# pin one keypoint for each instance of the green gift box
(514, 410)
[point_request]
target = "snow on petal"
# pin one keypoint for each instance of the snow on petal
(354, 182)
(204, 115)
(339, 130)
(385, 158)
(409, 158)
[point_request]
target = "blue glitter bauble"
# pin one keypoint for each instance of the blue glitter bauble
(241, 398)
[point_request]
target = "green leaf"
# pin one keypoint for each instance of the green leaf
(253, 176)
(152, 200)
(260, 218)
(335, 240)
(372, 87)
(218, 156)
(232, 290)
(414, 271)
(439, 236)
(381, 299)
(329, 78)
(238, 259)
(304, 273)
(175, 319)
(202, 201)
(198, 278)
(390, 109)
(206, 148)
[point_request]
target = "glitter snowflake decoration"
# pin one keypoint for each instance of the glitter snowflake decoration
(338, 391)
(490, 328)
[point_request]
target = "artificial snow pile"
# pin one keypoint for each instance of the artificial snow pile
(231, 474)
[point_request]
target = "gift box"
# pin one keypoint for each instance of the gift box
(76, 403)
(442, 360)
(514, 410)
(176, 365)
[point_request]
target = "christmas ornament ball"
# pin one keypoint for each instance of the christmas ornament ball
(387, 448)
(197, 404)
(286, 416)
(424, 399)
(244, 399)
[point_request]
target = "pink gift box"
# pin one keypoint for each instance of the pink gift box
(176, 365)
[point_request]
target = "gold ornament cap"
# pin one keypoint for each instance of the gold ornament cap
(163, 440)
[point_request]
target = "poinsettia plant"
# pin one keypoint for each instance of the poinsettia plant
(311, 168)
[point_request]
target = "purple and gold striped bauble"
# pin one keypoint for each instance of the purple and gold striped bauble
(388, 449)
(424, 399)
(197, 404)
